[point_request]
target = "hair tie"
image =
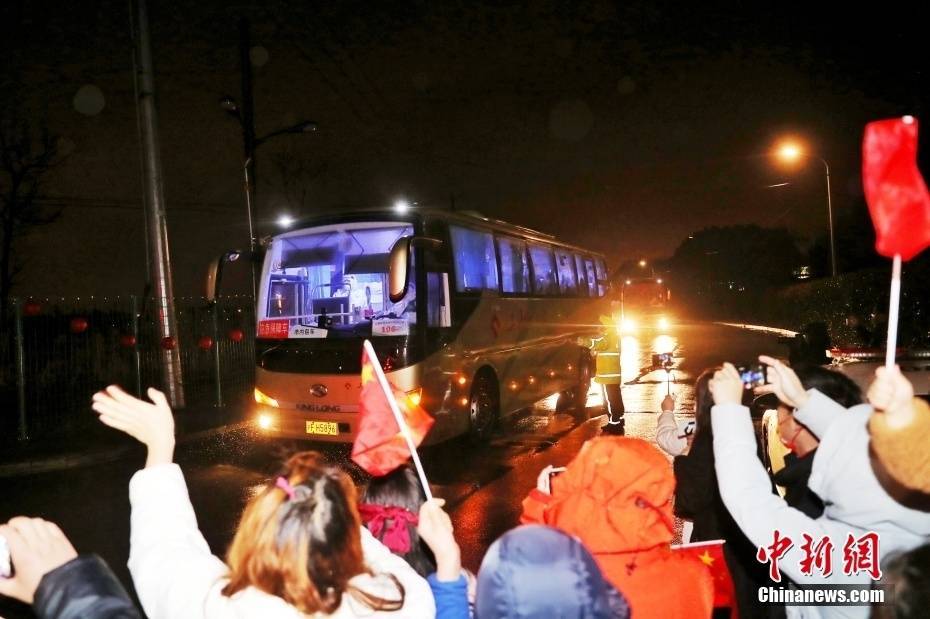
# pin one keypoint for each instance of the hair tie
(285, 485)
(396, 535)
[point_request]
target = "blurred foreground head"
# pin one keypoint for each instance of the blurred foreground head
(535, 571)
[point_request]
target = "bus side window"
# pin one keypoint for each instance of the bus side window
(438, 309)
(601, 270)
(592, 276)
(475, 260)
(583, 289)
(545, 280)
(515, 271)
(568, 282)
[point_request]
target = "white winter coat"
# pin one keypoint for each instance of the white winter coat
(176, 576)
(842, 476)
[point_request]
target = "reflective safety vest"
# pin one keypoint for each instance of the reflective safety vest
(607, 354)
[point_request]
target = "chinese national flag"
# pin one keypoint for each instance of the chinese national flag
(379, 446)
(894, 189)
(711, 555)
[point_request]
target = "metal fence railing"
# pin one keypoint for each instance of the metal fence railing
(55, 353)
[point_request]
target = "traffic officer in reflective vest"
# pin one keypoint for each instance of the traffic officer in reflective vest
(607, 349)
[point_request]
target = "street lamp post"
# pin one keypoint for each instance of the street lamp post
(250, 145)
(790, 152)
(246, 117)
(830, 218)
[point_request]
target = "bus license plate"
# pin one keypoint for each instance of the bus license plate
(329, 428)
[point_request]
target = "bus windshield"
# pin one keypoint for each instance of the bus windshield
(333, 280)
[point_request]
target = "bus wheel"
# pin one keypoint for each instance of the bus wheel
(484, 406)
(580, 392)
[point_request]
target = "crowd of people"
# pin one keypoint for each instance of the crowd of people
(595, 538)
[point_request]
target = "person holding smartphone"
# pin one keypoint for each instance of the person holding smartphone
(697, 498)
(672, 438)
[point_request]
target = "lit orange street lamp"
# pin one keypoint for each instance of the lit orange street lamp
(790, 152)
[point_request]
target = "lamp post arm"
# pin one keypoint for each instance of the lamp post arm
(826, 168)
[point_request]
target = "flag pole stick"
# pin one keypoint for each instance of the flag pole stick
(894, 303)
(401, 422)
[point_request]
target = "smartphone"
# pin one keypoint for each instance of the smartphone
(555, 471)
(753, 375)
(688, 430)
(663, 360)
(6, 568)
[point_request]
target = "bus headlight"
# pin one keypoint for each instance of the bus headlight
(627, 325)
(265, 422)
(415, 396)
(261, 398)
(664, 323)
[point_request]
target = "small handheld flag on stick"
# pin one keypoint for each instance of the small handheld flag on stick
(387, 436)
(898, 203)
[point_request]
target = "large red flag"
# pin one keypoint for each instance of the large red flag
(894, 189)
(711, 555)
(379, 446)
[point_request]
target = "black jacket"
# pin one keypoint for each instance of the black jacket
(83, 588)
(697, 498)
(793, 478)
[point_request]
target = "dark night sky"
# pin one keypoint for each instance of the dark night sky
(623, 126)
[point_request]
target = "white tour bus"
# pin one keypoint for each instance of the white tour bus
(472, 318)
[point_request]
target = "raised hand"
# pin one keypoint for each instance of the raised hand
(435, 528)
(726, 385)
(152, 424)
(36, 548)
(891, 393)
(668, 404)
(783, 382)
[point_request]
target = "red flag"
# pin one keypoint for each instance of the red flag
(379, 446)
(894, 189)
(711, 555)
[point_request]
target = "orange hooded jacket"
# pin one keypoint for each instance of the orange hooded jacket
(616, 497)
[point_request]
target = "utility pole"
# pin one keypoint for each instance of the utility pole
(247, 119)
(248, 122)
(156, 224)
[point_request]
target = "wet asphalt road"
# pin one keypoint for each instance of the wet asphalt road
(483, 485)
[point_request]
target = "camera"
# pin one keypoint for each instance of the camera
(753, 375)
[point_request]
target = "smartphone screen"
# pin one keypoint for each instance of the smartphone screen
(753, 375)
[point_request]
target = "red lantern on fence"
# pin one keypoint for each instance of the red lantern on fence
(236, 335)
(127, 340)
(32, 308)
(78, 325)
(206, 342)
(169, 343)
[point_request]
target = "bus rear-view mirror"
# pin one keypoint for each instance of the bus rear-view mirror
(399, 263)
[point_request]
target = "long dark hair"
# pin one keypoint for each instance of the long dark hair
(401, 488)
(703, 402)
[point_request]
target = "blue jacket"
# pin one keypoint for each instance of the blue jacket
(451, 597)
